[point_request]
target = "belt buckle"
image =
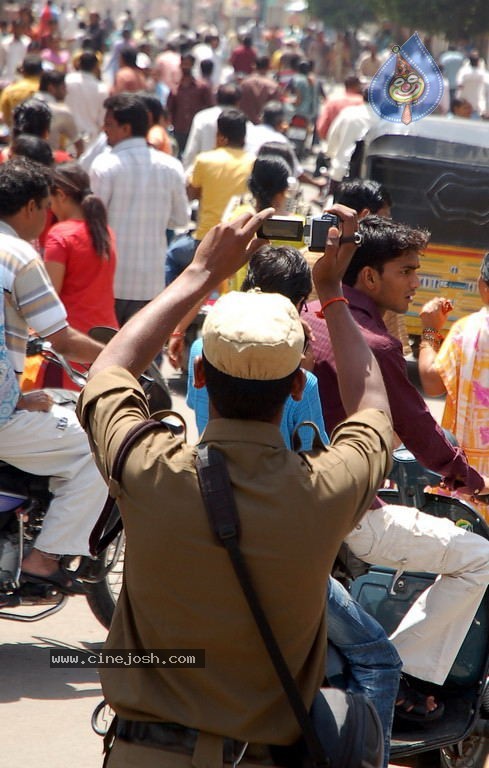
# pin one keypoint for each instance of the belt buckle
(237, 761)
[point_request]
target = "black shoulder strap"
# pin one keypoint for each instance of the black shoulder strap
(220, 505)
(100, 538)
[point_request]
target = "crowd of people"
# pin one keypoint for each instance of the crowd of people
(112, 132)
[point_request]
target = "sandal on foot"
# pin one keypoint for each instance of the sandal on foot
(60, 580)
(412, 705)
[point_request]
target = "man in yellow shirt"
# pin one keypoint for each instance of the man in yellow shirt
(217, 175)
(16, 93)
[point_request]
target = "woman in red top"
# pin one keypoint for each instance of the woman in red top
(80, 251)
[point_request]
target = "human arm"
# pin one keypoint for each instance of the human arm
(42, 310)
(56, 272)
(75, 345)
(194, 181)
(101, 181)
(359, 377)
(79, 145)
(433, 316)
(176, 341)
(222, 252)
(193, 145)
(34, 401)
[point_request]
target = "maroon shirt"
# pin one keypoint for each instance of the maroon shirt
(243, 59)
(256, 91)
(411, 417)
(185, 101)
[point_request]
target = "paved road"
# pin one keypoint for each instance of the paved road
(46, 712)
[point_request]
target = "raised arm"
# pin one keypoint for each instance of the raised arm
(359, 377)
(433, 316)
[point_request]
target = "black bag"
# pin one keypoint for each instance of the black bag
(342, 730)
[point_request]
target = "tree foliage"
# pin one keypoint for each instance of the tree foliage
(453, 18)
(343, 14)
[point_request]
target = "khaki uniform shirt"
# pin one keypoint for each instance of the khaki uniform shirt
(179, 588)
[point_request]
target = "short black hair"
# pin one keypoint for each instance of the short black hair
(128, 55)
(262, 63)
(353, 81)
(31, 116)
(304, 66)
(206, 67)
(273, 113)
(228, 95)
(32, 65)
(51, 77)
(22, 180)
(231, 124)
(88, 61)
(363, 193)
(279, 269)
(246, 399)
(383, 241)
(129, 109)
(153, 105)
(34, 148)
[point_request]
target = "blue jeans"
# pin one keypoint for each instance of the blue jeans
(374, 664)
(179, 255)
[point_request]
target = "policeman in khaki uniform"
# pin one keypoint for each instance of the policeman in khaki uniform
(179, 590)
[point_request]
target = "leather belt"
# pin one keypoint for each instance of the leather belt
(177, 738)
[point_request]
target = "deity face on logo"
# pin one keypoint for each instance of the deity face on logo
(406, 88)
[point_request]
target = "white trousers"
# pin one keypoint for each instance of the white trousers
(54, 444)
(431, 633)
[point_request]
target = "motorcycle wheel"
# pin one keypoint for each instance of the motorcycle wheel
(102, 596)
(469, 753)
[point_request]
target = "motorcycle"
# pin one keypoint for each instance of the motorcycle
(461, 736)
(24, 500)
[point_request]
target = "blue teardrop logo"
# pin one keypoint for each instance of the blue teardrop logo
(408, 86)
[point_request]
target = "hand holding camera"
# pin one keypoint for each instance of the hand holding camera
(339, 247)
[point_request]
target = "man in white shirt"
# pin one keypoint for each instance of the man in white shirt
(348, 128)
(471, 83)
(202, 136)
(64, 133)
(144, 192)
(85, 96)
(14, 47)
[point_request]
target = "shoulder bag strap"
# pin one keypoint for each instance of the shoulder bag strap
(100, 538)
(220, 505)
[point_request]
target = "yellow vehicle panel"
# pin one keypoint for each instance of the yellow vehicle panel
(448, 271)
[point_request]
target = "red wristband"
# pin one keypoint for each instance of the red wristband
(328, 302)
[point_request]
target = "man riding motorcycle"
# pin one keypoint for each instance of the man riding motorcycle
(35, 435)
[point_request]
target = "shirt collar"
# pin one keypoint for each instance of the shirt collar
(45, 96)
(361, 301)
(240, 431)
(136, 141)
(6, 229)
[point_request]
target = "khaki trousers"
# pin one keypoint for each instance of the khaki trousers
(431, 633)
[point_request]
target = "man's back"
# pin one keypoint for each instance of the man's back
(194, 582)
(202, 136)
(85, 96)
(220, 174)
(144, 192)
(332, 108)
(256, 90)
